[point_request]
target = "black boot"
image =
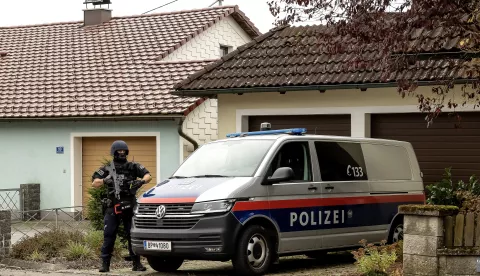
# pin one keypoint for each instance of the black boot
(105, 266)
(137, 265)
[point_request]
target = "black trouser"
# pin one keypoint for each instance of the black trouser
(111, 224)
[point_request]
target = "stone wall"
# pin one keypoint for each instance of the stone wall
(427, 230)
(31, 201)
(5, 233)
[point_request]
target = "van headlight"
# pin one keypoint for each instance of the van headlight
(209, 207)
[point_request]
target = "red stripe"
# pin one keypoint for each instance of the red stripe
(299, 203)
(167, 200)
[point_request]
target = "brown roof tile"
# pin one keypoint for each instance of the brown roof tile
(66, 69)
(295, 56)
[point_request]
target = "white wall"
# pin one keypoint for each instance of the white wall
(234, 110)
(207, 44)
(202, 124)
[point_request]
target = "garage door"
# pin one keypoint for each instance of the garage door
(96, 149)
(437, 147)
(315, 124)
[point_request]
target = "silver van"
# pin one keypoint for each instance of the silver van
(257, 196)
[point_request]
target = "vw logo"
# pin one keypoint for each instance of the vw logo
(160, 212)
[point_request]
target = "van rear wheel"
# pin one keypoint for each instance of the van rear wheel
(254, 251)
(164, 264)
(396, 234)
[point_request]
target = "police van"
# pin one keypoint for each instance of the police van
(256, 196)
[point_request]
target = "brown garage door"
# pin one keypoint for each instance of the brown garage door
(437, 147)
(96, 149)
(315, 124)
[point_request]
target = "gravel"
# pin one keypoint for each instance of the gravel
(335, 264)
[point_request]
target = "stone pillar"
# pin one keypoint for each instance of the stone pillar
(5, 233)
(31, 201)
(423, 235)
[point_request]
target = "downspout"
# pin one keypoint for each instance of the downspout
(185, 136)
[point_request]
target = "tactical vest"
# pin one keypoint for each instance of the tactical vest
(123, 174)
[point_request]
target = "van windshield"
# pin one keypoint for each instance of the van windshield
(238, 158)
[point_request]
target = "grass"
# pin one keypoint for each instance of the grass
(73, 248)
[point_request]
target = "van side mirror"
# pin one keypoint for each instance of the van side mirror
(280, 175)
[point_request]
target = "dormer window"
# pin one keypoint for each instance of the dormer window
(224, 50)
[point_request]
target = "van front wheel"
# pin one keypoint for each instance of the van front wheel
(254, 252)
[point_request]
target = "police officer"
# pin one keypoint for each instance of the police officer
(119, 204)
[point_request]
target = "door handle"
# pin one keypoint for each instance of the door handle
(329, 188)
(313, 188)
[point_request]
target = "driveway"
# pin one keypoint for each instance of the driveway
(338, 264)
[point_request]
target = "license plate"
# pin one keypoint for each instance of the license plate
(157, 245)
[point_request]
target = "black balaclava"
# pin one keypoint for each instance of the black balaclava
(116, 146)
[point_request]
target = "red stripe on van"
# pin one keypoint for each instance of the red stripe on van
(335, 201)
(167, 200)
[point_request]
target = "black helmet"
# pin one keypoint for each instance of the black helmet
(119, 145)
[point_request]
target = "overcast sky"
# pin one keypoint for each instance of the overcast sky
(27, 12)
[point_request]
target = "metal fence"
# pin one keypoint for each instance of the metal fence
(12, 199)
(38, 221)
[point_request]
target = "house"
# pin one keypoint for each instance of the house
(283, 77)
(68, 90)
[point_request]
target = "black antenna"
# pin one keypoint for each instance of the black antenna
(160, 6)
(220, 3)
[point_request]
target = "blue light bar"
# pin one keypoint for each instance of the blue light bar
(291, 131)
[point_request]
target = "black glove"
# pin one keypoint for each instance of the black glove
(108, 180)
(135, 184)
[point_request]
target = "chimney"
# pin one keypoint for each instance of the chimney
(96, 16)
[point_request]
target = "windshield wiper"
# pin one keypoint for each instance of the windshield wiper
(177, 177)
(209, 175)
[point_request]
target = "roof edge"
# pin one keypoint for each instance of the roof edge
(94, 117)
(162, 62)
(244, 21)
(120, 17)
(227, 57)
(319, 87)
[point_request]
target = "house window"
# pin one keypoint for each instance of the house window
(224, 50)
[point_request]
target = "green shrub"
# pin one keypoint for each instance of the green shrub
(94, 207)
(464, 195)
(78, 251)
(399, 250)
(374, 260)
(94, 239)
(37, 256)
(444, 191)
(48, 243)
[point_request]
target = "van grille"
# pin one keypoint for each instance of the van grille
(177, 216)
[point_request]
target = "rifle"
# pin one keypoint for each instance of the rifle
(116, 179)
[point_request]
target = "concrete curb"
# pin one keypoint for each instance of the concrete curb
(21, 264)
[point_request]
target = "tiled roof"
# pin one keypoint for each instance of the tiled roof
(297, 56)
(66, 69)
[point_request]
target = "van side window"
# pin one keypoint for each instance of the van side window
(341, 161)
(295, 155)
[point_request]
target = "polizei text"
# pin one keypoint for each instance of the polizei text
(317, 217)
